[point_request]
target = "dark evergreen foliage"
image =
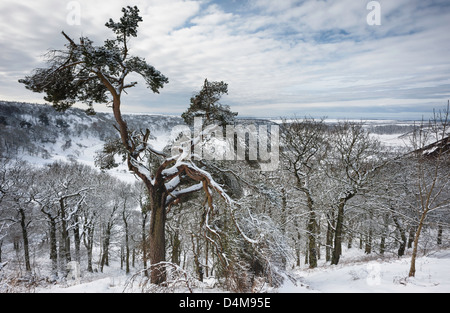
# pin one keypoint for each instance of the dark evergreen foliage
(206, 105)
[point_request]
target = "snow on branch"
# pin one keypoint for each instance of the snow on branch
(177, 279)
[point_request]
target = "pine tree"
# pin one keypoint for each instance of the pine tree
(97, 74)
(206, 105)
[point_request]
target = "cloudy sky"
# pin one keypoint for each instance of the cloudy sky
(279, 58)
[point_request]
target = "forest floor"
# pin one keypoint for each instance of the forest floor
(356, 273)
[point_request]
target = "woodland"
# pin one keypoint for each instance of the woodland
(177, 220)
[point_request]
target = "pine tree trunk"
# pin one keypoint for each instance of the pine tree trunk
(157, 192)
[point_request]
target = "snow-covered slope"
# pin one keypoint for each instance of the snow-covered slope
(355, 274)
(38, 134)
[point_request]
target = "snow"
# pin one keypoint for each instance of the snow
(377, 276)
(112, 281)
(355, 274)
(392, 140)
(84, 150)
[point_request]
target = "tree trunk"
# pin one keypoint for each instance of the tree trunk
(144, 241)
(412, 270)
(412, 231)
(127, 246)
(369, 234)
(350, 238)
(329, 240)
(383, 244)
(64, 233)
(77, 239)
(121, 257)
(89, 244)
(53, 248)
(196, 252)
(368, 245)
(176, 248)
(439, 236)
(384, 234)
(157, 192)
(297, 242)
(157, 238)
(26, 250)
(105, 255)
(312, 232)
(401, 249)
(337, 251)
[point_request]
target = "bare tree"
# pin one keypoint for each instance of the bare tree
(60, 195)
(304, 148)
(17, 194)
(355, 158)
(431, 161)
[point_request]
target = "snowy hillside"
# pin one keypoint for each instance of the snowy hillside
(361, 274)
(357, 274)
(40, 135)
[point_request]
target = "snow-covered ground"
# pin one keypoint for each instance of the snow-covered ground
(378, 276)
(356, 273)
(84, 151)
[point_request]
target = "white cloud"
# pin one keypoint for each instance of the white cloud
(273, 54)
